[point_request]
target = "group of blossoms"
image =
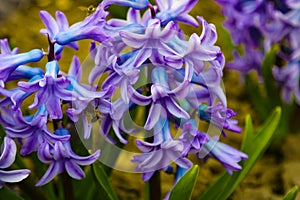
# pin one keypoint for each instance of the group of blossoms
(185, 87)
(259, 24)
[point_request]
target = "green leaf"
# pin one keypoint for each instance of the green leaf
(269, 81)
(184, 187)
(254, 145)
(248, 135)
(104, 182)
(292, 194)
(85, 185)
(260, 102)
(7, 193)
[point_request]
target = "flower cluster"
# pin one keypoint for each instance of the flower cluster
(257, 25)
(185, 75)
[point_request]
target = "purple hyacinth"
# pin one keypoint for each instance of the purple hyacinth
(258, 25)
(7, 157)
(196, 142)
(10, 62)
(33, 130)
(219, 116)
(176, 11)
(225, 154)
(92, 27)
(159, 154)
(151, 42)
(192, 139)
(50, 89)
(62, 158)
(186, 74)
(162, 99)
(54, 27)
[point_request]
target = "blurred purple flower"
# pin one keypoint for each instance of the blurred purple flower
(288, 80)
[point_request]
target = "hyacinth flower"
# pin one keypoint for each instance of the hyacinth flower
(10, 62)
(62, 159)
(133, 17)
(161, 152)
(54, 27)
(33, 130)
(192, 138)
(115, 119)
(90, 28)
(197, 51)
(123, 75)
(7, 157)
(50, 89)
(219, 116)
(162, 99)
(84, 107)
(204, 146)
(151, 42)
(225, 154)
(176, 11)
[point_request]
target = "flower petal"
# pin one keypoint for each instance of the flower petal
(73, 169)
(14, 175)
(51, 172)
(8, 152)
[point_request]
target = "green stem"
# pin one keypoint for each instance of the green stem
(68, 187)
(154, 186)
